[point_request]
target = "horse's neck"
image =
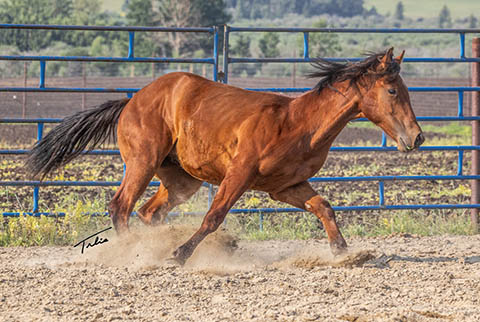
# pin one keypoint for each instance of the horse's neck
(325, 114)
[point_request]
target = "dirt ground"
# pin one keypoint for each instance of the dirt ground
(397, 278)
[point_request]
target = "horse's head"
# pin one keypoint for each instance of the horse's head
(385, 101)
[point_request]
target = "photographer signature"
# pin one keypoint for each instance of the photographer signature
(98, 240)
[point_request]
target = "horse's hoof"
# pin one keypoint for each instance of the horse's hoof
(173, 262)
(339, 251)
(177, 259)
(338, 248)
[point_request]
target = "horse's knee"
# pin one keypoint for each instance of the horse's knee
(213, 220)
(317, 203)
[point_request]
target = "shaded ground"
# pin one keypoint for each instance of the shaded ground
(408, 279)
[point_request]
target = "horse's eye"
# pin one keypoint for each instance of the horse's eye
(392, 91)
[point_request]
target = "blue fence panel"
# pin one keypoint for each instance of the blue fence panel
(380, 179)
(129, 91)
(214, 61)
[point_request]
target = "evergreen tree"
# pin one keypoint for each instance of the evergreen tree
(472, 21)
(243, 9)
(241, 48)
(33, 12)
(139, 13)
(399, 11)
(322, 44)
(268, 44)
(445, 19)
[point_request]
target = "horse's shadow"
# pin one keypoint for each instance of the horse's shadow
(384, 260)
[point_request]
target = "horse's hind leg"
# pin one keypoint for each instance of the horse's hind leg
(177, 187)
(133, 185)
(303, 196)
(143, 149)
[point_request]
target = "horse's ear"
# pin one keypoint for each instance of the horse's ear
(399, 59)
(385, 60)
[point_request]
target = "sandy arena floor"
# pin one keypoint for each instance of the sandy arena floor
(401, 278)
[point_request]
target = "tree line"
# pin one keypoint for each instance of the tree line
(188, 13)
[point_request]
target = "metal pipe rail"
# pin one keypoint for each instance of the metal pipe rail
(306, 31)
(383, 147)
(129, 58)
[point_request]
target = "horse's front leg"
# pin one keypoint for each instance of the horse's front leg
(303, 196)
(238, 178)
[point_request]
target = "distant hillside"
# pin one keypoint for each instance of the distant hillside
(427, 8)
(412, 8)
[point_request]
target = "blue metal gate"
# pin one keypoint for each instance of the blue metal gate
(383, 147)
(227, 60)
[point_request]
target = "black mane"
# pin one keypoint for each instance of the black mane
(331, 72)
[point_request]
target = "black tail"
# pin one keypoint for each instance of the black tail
(71, 137)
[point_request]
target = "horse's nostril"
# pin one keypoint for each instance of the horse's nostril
(419, 140)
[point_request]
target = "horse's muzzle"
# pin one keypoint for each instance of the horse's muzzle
(408, 147)
(419, 140)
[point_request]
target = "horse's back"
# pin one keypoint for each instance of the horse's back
(205, 120)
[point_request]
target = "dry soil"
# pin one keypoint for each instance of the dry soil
(398, 278)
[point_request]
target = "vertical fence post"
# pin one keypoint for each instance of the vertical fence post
(305, 45)
(131, 44)
(41, 83)
(37, 188)
(381, 194)
(24, 101)
(84, 84)
(475, 133)
(226, 35)
(215, 53)
(384, 140)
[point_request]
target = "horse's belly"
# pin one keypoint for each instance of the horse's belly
(276, 175)
(203, 161)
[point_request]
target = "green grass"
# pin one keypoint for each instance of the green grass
(427, 8)
(67, 231)
(307, 226)
(457, 129)
(40, 231)
(457, 134)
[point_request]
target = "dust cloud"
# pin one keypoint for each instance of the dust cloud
(219, 253)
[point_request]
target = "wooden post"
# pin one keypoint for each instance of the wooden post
(24, 102)
(475, 133)
(153, 67)
(294, 70)
(84, 84)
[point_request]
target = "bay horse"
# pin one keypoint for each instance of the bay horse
(186, 129)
